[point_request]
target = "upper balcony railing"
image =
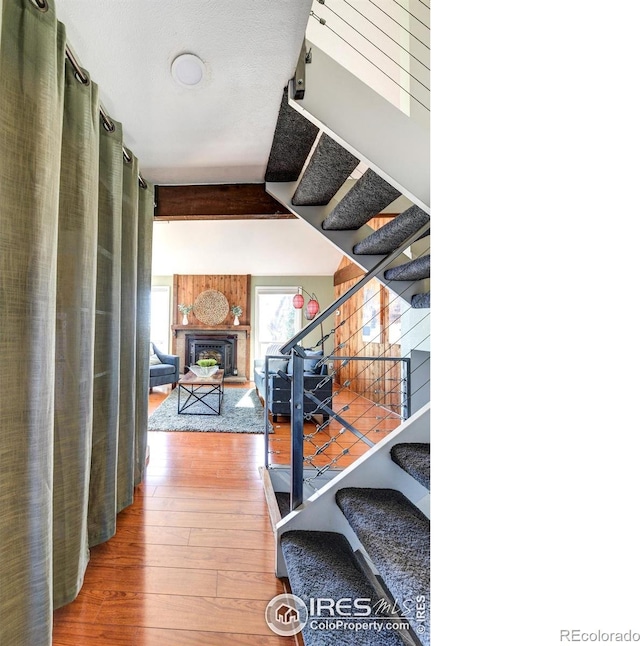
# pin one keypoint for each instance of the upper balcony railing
(385, 43)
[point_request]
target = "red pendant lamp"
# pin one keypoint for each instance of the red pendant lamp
(313, 307)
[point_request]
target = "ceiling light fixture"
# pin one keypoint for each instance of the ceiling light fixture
(187, 69)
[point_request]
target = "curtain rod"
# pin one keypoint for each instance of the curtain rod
(108, 125)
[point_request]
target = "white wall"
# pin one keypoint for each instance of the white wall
(256, 247)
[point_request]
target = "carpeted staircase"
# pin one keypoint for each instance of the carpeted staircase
(394, 535)
(415, 459)
(327, 169)
(392, 559)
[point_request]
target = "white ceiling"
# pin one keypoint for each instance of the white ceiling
(218, 132)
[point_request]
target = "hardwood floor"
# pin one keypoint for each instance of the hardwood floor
(192, 560)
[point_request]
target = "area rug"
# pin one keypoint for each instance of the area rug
(241, 412)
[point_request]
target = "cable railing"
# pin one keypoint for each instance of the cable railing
(344, 402)
(386, 43)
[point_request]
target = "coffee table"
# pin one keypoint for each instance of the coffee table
(209, 391)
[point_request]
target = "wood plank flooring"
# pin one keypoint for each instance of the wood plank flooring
(192, 560)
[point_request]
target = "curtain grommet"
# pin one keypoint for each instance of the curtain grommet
(108, 125)
(41, 5)
(82, 76)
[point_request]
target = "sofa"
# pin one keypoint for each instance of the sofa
(163, 368)
(316, 378)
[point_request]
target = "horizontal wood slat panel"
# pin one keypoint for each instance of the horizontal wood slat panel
(218, 202)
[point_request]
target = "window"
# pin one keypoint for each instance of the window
(394, 311)
(276, 318)
(371, 307)
(160, 317)
(381, 314)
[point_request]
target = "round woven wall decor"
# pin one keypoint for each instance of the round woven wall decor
(211, 307)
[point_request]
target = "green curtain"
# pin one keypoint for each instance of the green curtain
(128, 301)
(75, 324)
(143, 325)
(106, 380)
(75, 235)
(31, 108)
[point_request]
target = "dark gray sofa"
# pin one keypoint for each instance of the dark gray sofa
(167, 372)
(316, 378)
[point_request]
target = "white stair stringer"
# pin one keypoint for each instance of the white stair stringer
(367, 125)
(374, 469)
(345, 240)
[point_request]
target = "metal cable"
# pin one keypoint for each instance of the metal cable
(322, 2)
(361, 307)
(394, 20)
(323, 22)
(393, 40)
(414, 17)
(374, 422)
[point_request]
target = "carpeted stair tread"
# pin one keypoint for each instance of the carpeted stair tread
(416, 269)
(322, 564)
(367, 197)
(292, 142)
(415, 459)
(421, 301)
(328, 169)
(389, 237)
(283, 498)
(395, 535)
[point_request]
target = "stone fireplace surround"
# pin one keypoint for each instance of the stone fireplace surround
(234, 335)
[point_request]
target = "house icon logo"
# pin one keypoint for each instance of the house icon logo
(286, 614)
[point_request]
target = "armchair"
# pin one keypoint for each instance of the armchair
(316, 379)
(165, 372)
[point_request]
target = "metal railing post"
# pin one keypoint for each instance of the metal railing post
(267, 394)
(406, 389)
(297, 427)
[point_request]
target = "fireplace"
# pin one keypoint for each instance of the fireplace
(227, 344)
(221, 347)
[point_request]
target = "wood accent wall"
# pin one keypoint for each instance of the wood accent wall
(186, 288)
(350, 333)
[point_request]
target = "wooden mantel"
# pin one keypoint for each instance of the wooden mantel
(217, 328)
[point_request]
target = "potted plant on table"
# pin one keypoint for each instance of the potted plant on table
(205, 368)
(236, 310)
(185, 311)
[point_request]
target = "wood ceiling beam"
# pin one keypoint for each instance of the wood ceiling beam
(218, 202)
(347, 273)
